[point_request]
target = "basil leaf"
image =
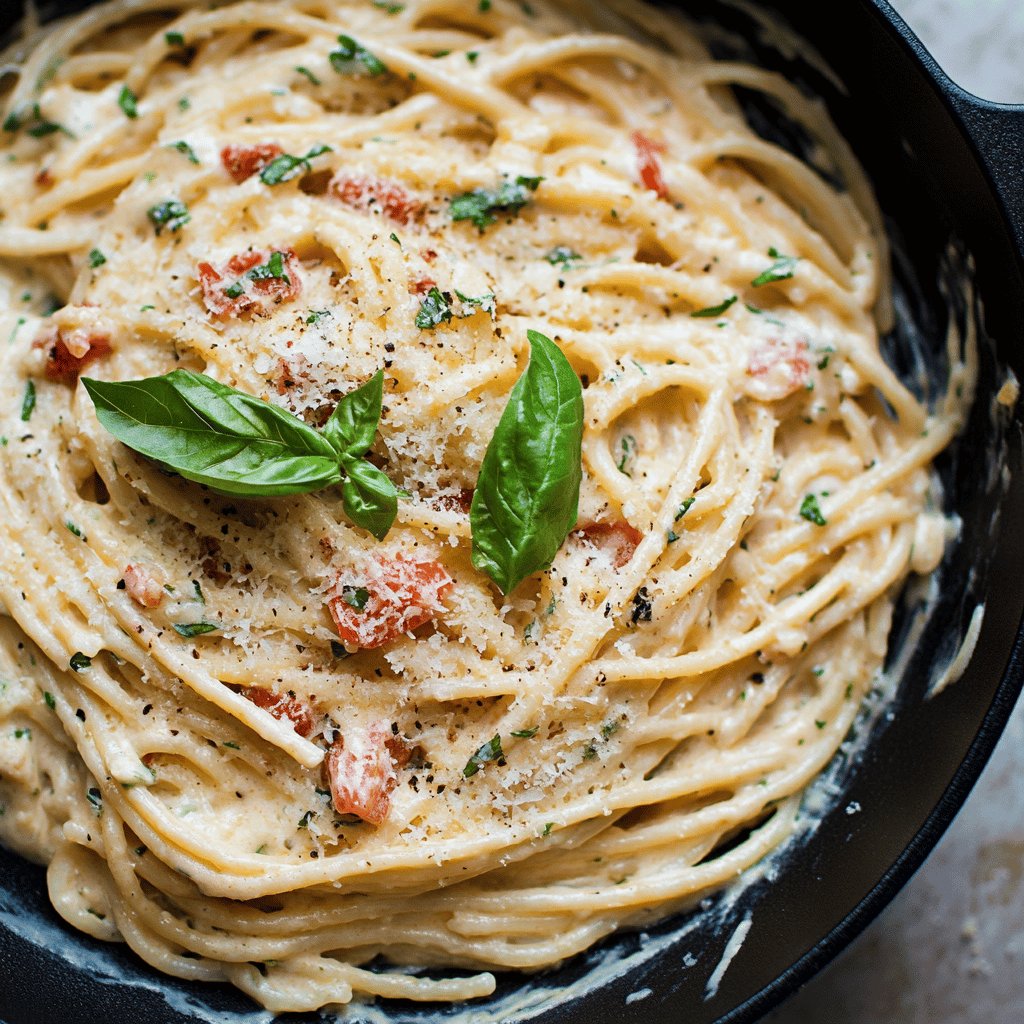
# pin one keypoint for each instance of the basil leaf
(527, 494)
(212, 434)
(782, 269)
(353, 424)
(369, 497)
(351, 58)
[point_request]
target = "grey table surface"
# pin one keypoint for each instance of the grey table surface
(950, 948)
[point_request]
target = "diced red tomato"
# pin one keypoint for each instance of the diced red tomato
(283, 706)
(618, 539)
(648, 164)
(396, 596)
(243, 162)
(366, 193)
(422, 285)
(429, 255)
(70, 352)
(142, 586)
(230, 290)
(778, 368)
(361, 771)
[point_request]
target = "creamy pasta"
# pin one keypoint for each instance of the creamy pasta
(259, 744)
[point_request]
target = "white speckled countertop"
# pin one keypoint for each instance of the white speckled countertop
(950, 948)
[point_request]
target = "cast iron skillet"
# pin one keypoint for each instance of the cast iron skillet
(945, 166)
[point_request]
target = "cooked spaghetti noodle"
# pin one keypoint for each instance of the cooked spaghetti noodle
(242, 785)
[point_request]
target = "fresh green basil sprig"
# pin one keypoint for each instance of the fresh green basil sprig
(239, 445)
(527, 494)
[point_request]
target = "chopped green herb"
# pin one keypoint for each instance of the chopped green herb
(181, 146)
(490, 751)
(388, 8)
(628, 449)
(184, 103)
(562, 256)
(811, 511)
(716, 310)
(191, 629)
(434, 310)
(781, 270)
(672, 536)
(316, 315)
(547, 828)
(80, 662)
(95, 798)
(96, 259)
(128, 102)
(28, 401)
(23, 734)
(589, 752)
(355, 597)
(306, 73)
(819, 723)
(441, 53)
(285, 167)
(609, 729)
(262, 848)
(353, 59)
(526, 734)
(485, 302)
(51, 701)
(683, 509)
(174, 39)
(482, 205)
(306, 819)
(484, 6)
(231, 744)
(394, 238)
(73, 529)
(471, 56)
(34, 123)
(170, 214)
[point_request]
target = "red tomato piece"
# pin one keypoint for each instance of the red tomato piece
(283, 706)
(618, 539)
(648, 164)
(245, 284)
(778, 368)
(70, 352)
(142, 586)
(365, 193)
(361, 771)
(422, 285)
(243, 162)
(396, 596)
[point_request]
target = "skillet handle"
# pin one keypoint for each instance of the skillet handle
(997, 132)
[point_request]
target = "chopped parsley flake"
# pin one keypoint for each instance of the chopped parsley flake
(174, 39)
(628, 450)
(471, 56)
(547, 828)
(316, 315)
(388, 8)
(782, 269)
(96, 259)
(74, 530)
(485, 302)
(353, 59)
(170, 214)
(355, 597)
(51, 701)
(716, 310)
(34, 123)
(128, 102)
(231, 744)
(526, 734)
(683, 509)
(191, 629)
(95, 798)
(562, 256)
(181, 146)
(285, 167)
(80, 662)
(490, 751)
(482, 205)
(28, 401)
(811, 511)
(306, 73)
(305, 819)
(484, 6)
(434, 310)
